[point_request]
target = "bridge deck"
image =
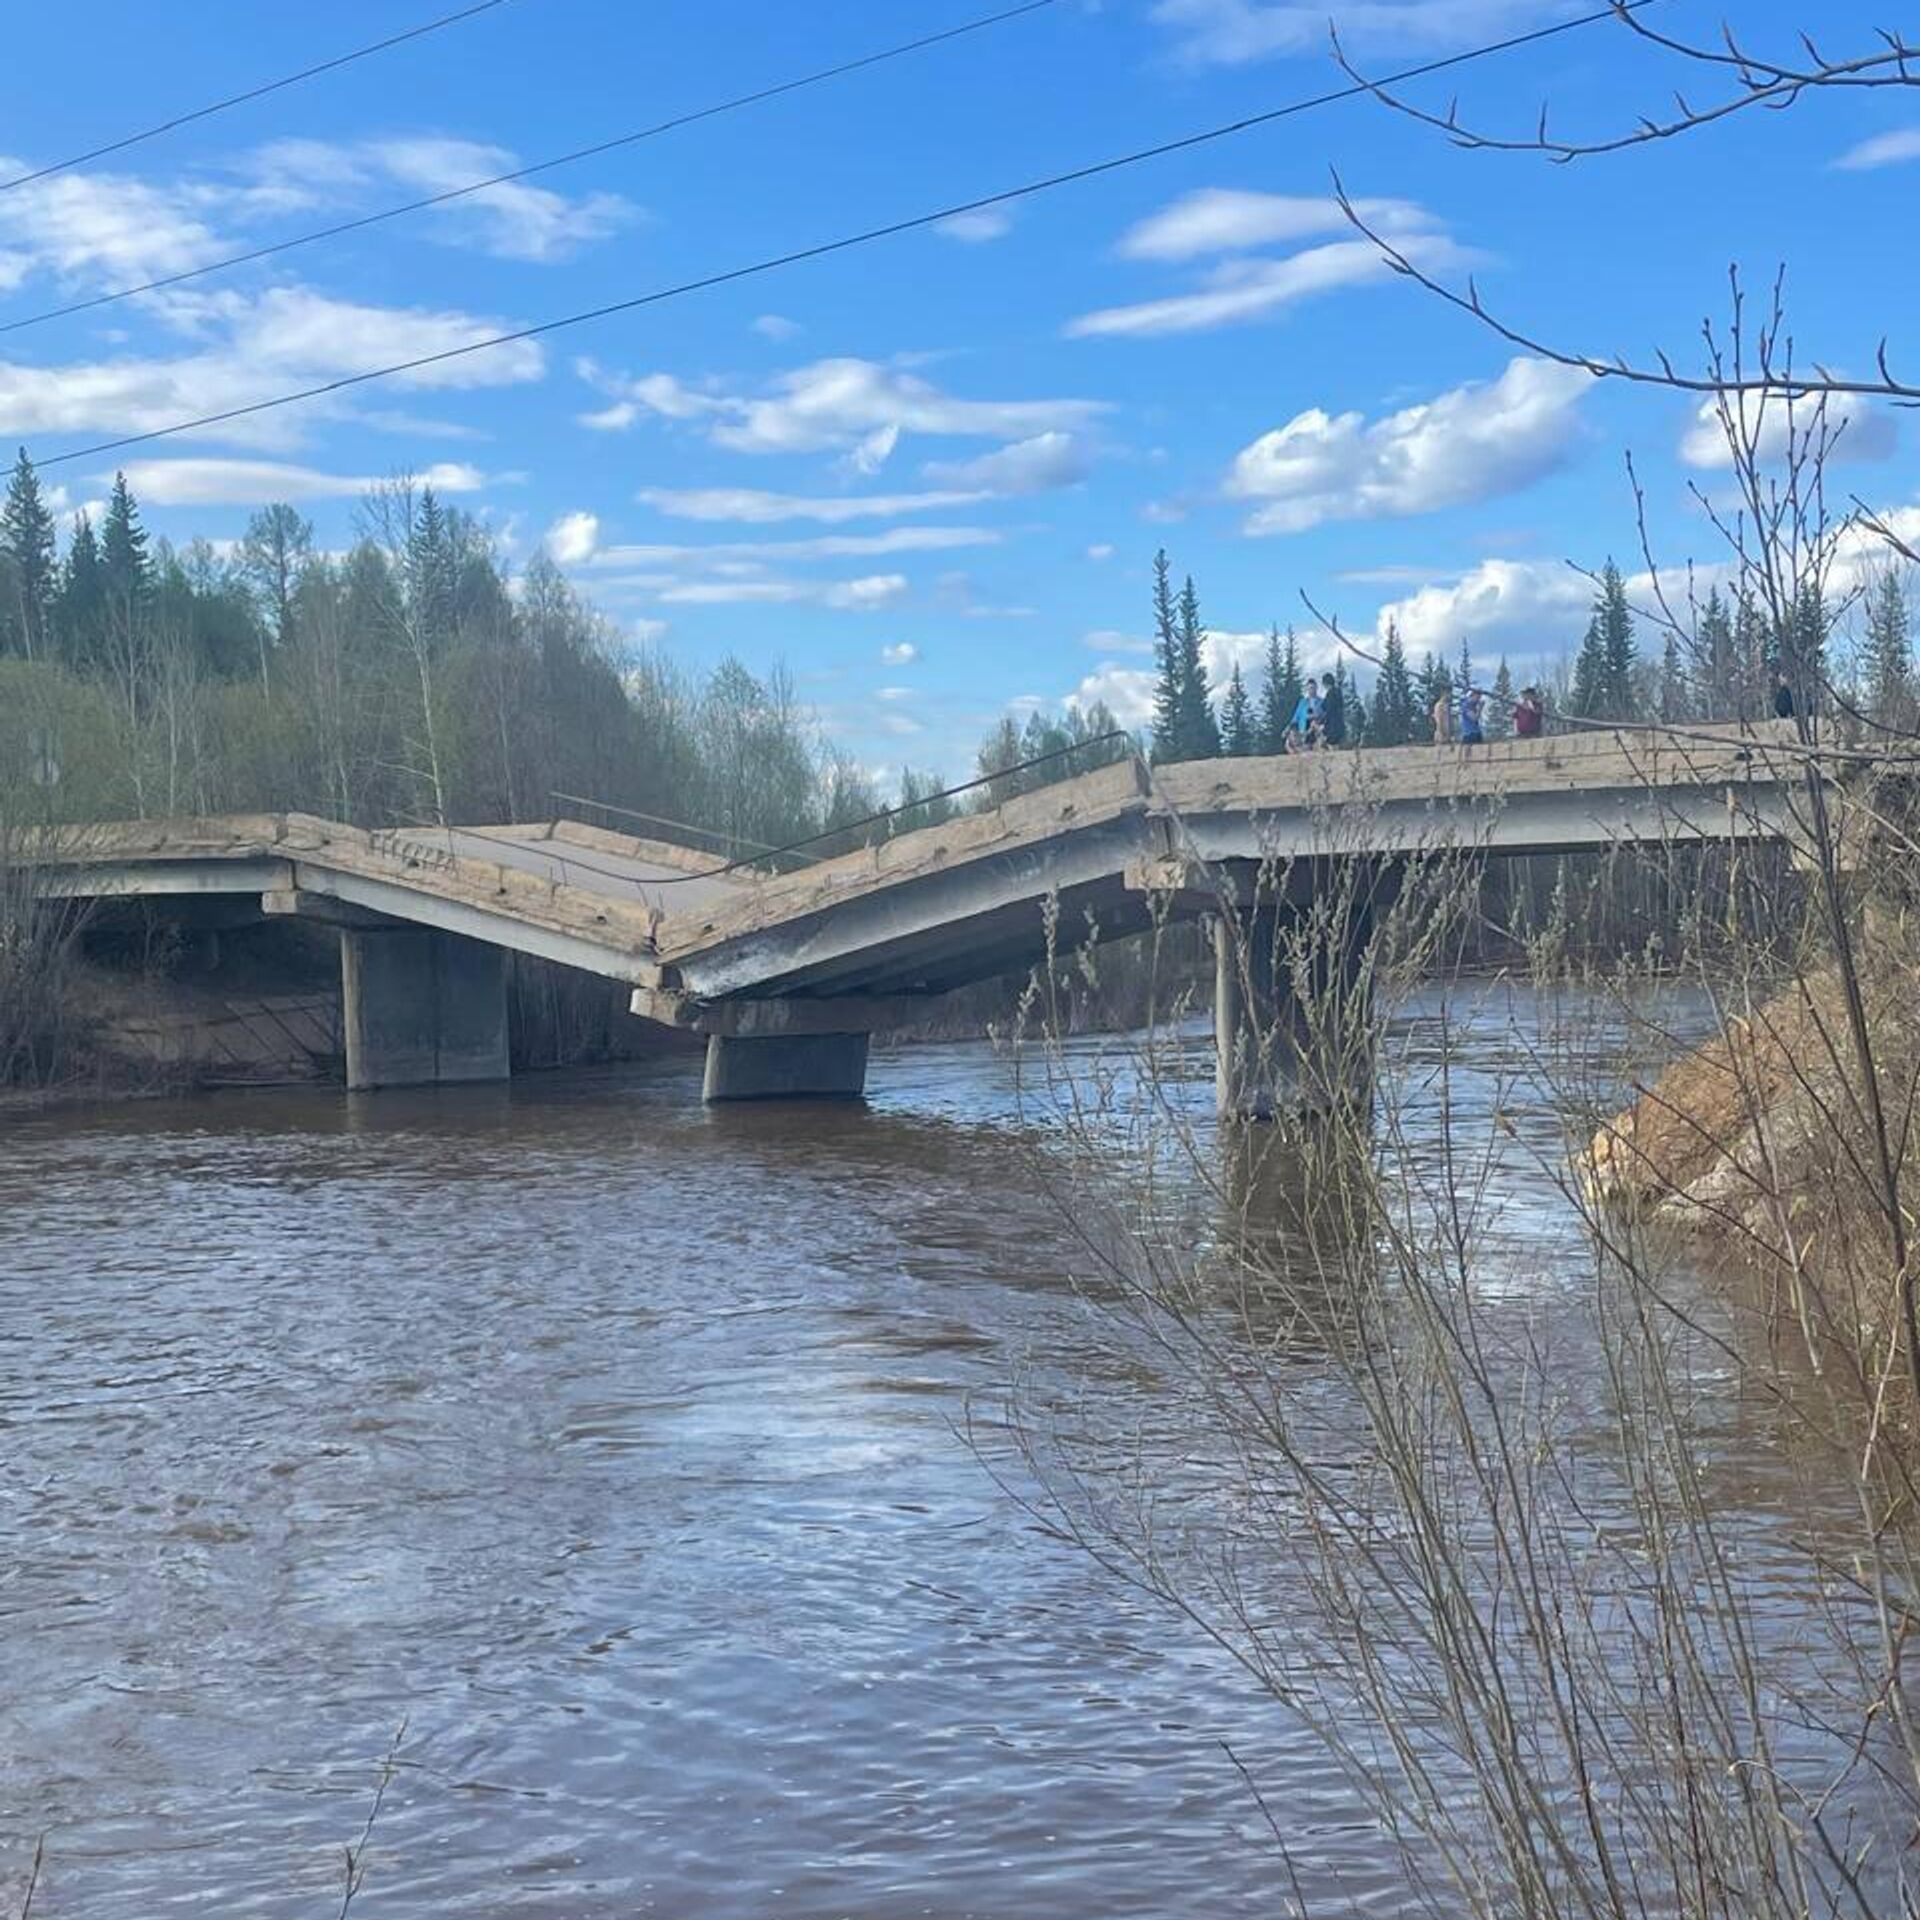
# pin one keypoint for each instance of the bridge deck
(930, 909)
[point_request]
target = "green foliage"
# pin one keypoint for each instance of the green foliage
(1603, 676)
(1887, 661)
(1237, 734)
(29, 571)
(1398, 714)
(1184, 727)
(1280, 689)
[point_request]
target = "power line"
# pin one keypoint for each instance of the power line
(252, 93)
(536, 167)
(845, 242)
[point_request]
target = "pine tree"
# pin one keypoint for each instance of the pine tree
(1166, 648)
(1888, 660)
(28, 546)
(431, 575)
(80, 609)
(1396, 717)
(1803, 657)
(1498, 720)
(1676, 704)
(1237, 735)
(126, 570)
(1715, 665)
(1279, 691)
(1199, 730)
(1617, 643)
(1752, 661)
(1463, 681)
(1435, 685)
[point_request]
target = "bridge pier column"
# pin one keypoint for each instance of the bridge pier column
(787, 1066)
(1292, 1009)
(421, 1008)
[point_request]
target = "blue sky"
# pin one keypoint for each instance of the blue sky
(930, 475)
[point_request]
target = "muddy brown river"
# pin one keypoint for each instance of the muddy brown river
(617, 1448)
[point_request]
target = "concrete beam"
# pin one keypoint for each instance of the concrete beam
(303, 904)
(612, 960)
(121, 879)
(421, 1008)
(771, 1019)
(800, 1066)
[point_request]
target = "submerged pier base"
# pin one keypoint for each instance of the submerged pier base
(788, 1066)
(421, 1008)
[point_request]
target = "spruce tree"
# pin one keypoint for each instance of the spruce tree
(1717, 679)
(1888, 661)
(28, 546)
(1498, 720)
(1618, 652)
(1803, 657)
(1676, 703)
(431, 575)
(1752, 661)
(1237, 734)
(80, 609)
(126, 570)
(1396, 717)
(1199, 730)
(1166, 648)
(1279, 691)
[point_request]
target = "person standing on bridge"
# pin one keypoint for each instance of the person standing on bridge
(1529, 712)
(1472, 713)
(1782, 695)
(1333, 712)
(1309, 716)
(1442, 717)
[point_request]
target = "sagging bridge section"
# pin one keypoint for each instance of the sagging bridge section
(789, 974)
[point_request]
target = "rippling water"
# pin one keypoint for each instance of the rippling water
(617, 1446)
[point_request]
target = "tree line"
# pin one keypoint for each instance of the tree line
(1720, 661)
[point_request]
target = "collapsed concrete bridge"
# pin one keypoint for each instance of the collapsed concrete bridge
(788, 975)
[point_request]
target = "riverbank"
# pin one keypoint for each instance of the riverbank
(1764, 1142)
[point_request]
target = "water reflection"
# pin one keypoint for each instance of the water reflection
(620, 1446)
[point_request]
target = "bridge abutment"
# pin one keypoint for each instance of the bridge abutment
(1292, 1008)
(421, 1008)
(787, 1066)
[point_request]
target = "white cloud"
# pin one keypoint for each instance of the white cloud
(776, 326)
(1047, 460)
(250, 348)
(984, 223)
(103, 228)
(1533, 608)
(214, 482)
(840, 405)
(828, 546)
(1231, 220)
(1241, 290)
(648, 631)
(572, 539)
(1231, 32)
(1126, 691)
(753, 506)
(894, 693)
(899, 653)
(868, 594)
(1865, 432)
(1100, 550)
(900, 724)
(1471, 443)
(1882, 150)
(512, 221)
(1109, 640)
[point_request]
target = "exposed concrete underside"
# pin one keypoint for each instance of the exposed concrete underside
(861, 942)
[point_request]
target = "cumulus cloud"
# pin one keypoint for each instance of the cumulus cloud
(104, 229)
(1865, 432)
(1231, 220)
(1232, 32)
(1240, 290)
(1100, 550)
(776, 326)
(1045, 461)
(1882, 150)
(572, 538)
(211, 482)
(839, 405)
(1127, 692)
(1531, 608)
(899, 653)
(1473, 442)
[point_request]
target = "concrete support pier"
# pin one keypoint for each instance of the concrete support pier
(421, 1008)
(788, 1066)
(1291, 1009)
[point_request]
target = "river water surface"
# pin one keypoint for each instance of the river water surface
(618, 1448)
